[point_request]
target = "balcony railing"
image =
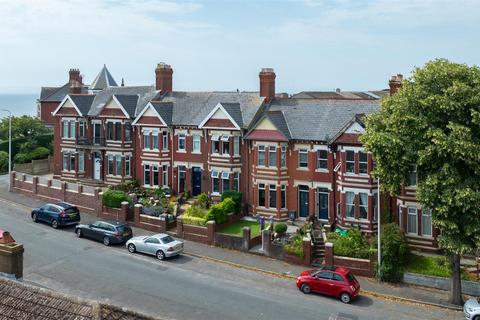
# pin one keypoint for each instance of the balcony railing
(87, 141)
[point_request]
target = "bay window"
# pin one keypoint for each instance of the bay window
(412, 220)
(350, 161)
(272, 156)
(261, 195)
(350, 204)
(118, 165)
(261, 155)
(215, 181)
(272, 196)
(427, 222)
(363, 205)
(146, 174)
(362, 163)
(110, 164)
(225, 181)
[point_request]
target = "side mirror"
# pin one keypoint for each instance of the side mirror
(41, 208)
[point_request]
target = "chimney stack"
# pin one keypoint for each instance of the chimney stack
(75, 81)
(74, 75)
(163, 77)
(11, 255)
(267, 83)
(395, 83)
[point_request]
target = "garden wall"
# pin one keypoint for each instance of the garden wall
(121, 214)
(41, 166)
(359, 267)
(151, 223)
(468, 287)
(205, 235)
(243, 243)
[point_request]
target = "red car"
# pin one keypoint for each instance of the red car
(333, 281)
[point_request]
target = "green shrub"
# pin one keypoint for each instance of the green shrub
(113, 198)
(44, 140)
(40, 153)
(22, 158)
(194, 221)
(202, 201)
(295, 246)
(333, 236)
(281, 228)
(394, 253)
(195, 211)
(3, 161)
(236, 197)
(354, 245)
(128, 186)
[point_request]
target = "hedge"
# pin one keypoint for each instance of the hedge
(194, 221)
(44, 140)
(236, 197)
(113, 198)
(219, 212)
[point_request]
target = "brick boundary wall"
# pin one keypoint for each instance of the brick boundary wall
(359, 267)
(151, 223)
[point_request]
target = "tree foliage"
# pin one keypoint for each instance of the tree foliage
(22, 127)
(433, 122)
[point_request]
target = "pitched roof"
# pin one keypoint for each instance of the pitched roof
(103, 80)
(56, 94)
(347, 95)
(128, 102)
(190, 108)
(165, 110)
(320, 119)
(234, 111)
(144, 93)
(83, 102)
(22, 301)
(278, 119)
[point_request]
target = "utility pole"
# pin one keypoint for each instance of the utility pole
(9, 144)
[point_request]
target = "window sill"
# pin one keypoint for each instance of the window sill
(216, 194)
(196, 152)
(181, 151)
(150, 150)
(322, 170)
(303, 169)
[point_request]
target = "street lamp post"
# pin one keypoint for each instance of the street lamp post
(9, 144)
(379, 214)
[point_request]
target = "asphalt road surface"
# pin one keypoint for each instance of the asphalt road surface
(180, 288)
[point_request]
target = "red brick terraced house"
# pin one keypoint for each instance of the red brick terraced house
(297, 153)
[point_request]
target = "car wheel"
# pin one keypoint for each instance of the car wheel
(131, 248)
(34, 217)
(78, 232)
(106, 241)
(160, 255)
(345, 297)
(54, 224)
(305, 288)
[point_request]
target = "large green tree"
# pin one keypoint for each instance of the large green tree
(433, 122)
(22, 126)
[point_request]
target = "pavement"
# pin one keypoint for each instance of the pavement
(205, 283)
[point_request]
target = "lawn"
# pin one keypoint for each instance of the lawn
(433, 266)
(236, 228)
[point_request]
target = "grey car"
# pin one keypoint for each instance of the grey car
(160, 245)
(471, 309)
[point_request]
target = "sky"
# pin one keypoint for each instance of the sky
(222, 44)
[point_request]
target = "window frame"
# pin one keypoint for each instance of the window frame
(110, 164)
(261, 151)
(146, 173)
(362, 206)
(182, 142)
(349, 164)
(118, 165)
(429, 215)
(272, 196)
(155, 175)
(349, 205)
(236, 146)
(283, 156)
(196, 141)
(164, 140)
(81, 161)
(408, 220)
(154, 140)
(236, 181)
(302, 152)
(322, 163)
(165, 169)
(272, 154)
(283, 196)
(127, 166)
(261, 190)
(362, 165)
(147, 145)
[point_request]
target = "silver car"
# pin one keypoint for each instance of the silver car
(471, 309)
(160, 245)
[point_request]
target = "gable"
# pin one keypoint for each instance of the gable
(149, 116)
(265, 124)
(266, 130)
(112, 109)
(348, 138)
(67, 108)
(355, 128)
(219, 118)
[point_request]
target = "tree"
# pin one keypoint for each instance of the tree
(22, 126)
(433, 122)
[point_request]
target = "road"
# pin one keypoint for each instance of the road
(180, 288)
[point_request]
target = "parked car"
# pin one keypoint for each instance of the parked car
(109, 232)
(471, 309)
(160, 245)
(58, 214)
(330, 280)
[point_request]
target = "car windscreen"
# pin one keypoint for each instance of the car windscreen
(350, 277)
(123, 229)
(167, 239)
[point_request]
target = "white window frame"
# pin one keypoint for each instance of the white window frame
(81, 128)
(409, 213)
(128, 137)
(347, 205)
(72, 129)
(182, 137)
(304, 152)
(127, 166)
(110, 161)
(429, 215)
(145, 165)
(155, 171)
(283, 195)
(154, 141)
(215, 174)
(347, 162)
(66, 161)
(225, 177)
(165, 169)
(236, 181)
(66, 130)
(283, 156)
(261, 149)
(147, 137)
(118, 160)
(165, 140)
(261, 187)
(362, 163)
(236, 146)
(360, 205)
(272, 188)
(272, 150)
(81, 161)
(196, 143)
(321, 160)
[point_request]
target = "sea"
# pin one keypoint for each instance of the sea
(19, 104)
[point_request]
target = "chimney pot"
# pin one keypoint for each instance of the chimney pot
(163, 77)
(395, 83)
(267, 83)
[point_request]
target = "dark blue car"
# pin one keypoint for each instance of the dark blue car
(59, 214)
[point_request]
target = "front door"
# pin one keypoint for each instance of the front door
(322, 203)
(303, 201)
(196, 181)
(97, 162)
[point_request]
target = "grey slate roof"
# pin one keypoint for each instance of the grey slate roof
(320, 119)
(83, 102)
(278, 119)
(144, 93)
(234, 111)
(103, 80)
(190, 108)
(165, 110)
(348, 95)
(128, 102)
(56, 94)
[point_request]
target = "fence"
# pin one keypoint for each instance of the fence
(41, 166)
